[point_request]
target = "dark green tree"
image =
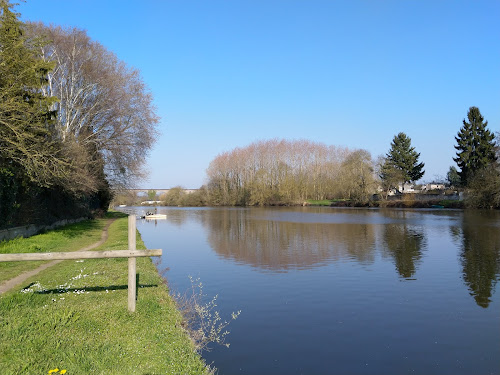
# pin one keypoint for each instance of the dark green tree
(27, 143)
(30, 157)
(389, 175)
(475, 146)
(453, 177)
(403, 158)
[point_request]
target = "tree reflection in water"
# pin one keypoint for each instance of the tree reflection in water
(404, 243)
(480, 253)
(282, 245)
(276, 244)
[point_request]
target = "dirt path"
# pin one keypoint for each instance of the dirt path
(9, 284)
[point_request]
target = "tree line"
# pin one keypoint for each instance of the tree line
(284, 171)
(74, 122)
(281, 172)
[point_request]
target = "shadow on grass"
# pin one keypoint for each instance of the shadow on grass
(78, 229)
(115, 215)
(88, 289)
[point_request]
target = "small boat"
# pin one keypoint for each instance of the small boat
(437, 206)
(154, 217)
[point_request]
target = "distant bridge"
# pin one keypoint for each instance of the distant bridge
(160, 191)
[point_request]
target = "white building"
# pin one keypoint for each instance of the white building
(406, 188)
(433, 186)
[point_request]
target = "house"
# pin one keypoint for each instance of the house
(433, 186)
(401, 189)
(406, 188)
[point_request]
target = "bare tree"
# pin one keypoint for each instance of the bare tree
(359, 180)
(104, 107)
(281, 172)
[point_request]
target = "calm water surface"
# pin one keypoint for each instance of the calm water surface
(342, 291)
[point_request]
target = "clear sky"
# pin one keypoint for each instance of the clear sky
(348, 73)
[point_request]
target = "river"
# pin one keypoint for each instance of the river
(341, 291)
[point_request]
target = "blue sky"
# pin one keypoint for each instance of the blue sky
(348, 73)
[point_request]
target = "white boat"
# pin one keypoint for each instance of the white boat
(154, 217)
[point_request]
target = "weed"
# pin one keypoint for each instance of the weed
(204, 322)
(56, 371)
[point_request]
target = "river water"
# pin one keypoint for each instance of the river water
(341, 291)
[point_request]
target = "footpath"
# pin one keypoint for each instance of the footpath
(74, 316)
(9, 284)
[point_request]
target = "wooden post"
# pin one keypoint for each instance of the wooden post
(106, 254)
(132, 281)
(131, 253)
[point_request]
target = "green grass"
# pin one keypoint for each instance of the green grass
(448, 203)
(67, 238)
(324, 202)
(74, 316)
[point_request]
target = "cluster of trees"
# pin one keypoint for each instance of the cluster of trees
(290, 172)
(284, 172)
(177, 196)
(74, 120)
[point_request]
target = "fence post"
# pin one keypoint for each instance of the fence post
(132, 282)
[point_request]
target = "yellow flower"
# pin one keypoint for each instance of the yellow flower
(54, 370)
(63, 372)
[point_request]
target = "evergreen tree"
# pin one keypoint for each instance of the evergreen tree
(404, 159)
(475, 146)
(389, 175)
(27, 144)
(453, 177)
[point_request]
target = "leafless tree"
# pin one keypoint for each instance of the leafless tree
(104, 107)
(282, 172)
(358, 176)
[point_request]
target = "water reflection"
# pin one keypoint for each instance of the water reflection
(479, 235)
(279, 240)
(404, 244)
(332, 313)
(177, 217)
(284, 245)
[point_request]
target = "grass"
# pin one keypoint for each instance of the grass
(324, 202)
(69, 237)
(74, 315)
(448, 203)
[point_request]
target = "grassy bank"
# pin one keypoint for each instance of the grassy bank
(74, 316)
(67, 238)
(401, 203)
(325, 202)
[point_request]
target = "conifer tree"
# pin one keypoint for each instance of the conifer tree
(453, 177)
(27, 145)
(403, 159)
(389, 175)
(475, 146)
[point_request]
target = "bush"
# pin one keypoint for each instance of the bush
(484, 188)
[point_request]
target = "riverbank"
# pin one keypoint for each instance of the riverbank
(393, 203)
(74, 316)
